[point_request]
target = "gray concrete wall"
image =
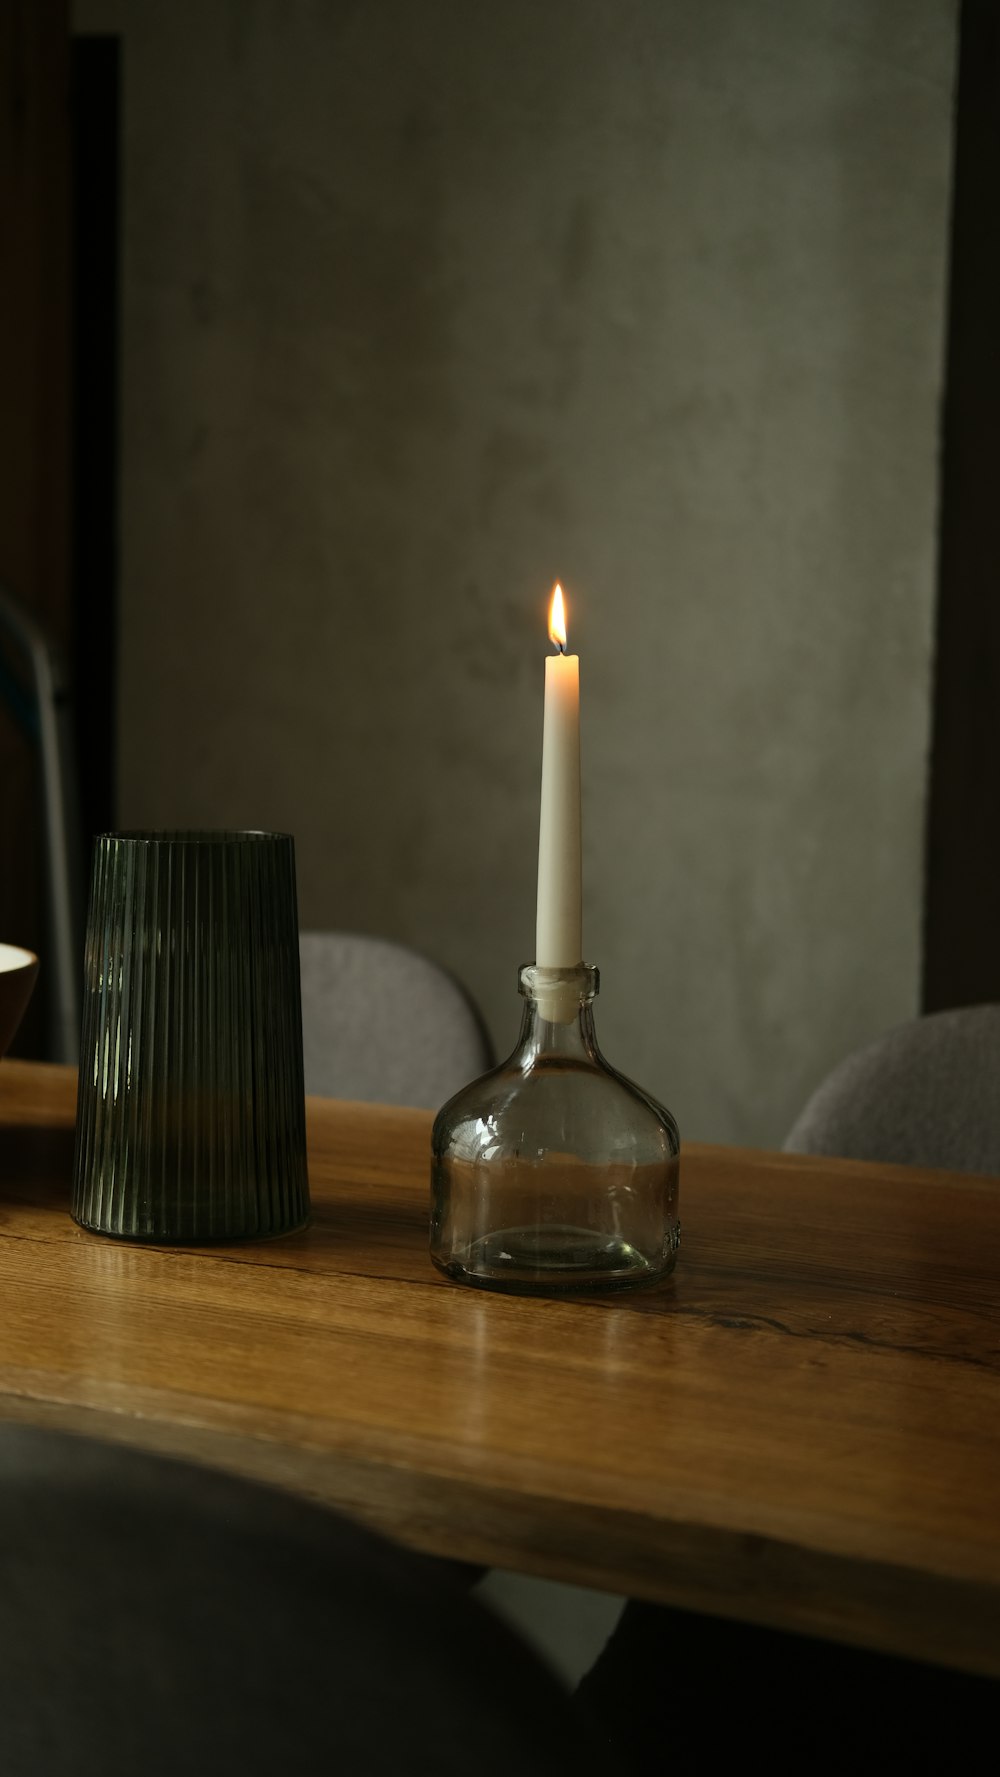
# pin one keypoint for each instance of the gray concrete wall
(427, 305)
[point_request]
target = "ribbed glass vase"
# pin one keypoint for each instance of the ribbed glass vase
(191, 1110)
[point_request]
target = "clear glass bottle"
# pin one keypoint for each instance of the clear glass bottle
(553, 1172)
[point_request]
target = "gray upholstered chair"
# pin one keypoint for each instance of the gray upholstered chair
(924, 1094)
(157, 1619)
(383, 1024)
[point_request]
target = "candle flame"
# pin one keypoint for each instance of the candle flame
(557, 619)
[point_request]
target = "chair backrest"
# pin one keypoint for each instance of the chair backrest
(925, 1094)
(37, 695)
(159, 1618)
(383, 1024)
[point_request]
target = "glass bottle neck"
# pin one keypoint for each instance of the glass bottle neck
(558, 1020)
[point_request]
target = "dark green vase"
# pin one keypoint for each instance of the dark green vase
(191, 1111)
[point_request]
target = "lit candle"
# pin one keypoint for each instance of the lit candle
(558, 931)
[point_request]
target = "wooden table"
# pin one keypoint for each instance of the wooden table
(802, 1429)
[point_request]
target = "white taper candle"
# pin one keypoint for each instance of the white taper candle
(559, 924)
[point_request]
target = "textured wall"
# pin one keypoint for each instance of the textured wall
(427, 305)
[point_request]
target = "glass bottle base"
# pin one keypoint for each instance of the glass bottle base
(547, 1260)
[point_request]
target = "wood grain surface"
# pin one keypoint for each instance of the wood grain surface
(802, 1428)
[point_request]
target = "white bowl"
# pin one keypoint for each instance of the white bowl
(18, 969)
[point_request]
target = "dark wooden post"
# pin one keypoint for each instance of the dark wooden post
(962, 908)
